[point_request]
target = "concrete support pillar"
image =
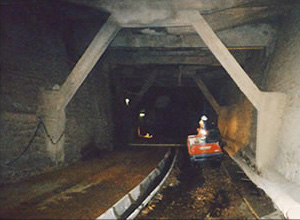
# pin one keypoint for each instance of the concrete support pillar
(53, 125)
(268, 127)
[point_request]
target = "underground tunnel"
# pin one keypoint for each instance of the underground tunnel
(95, 95)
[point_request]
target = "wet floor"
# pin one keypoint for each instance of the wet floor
(83, 190)
(205, 191)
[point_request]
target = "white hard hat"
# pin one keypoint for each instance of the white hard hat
(204, 118)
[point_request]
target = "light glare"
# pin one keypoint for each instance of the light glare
(203, 132)
(127, 100)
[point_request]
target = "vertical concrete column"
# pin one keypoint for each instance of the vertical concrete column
(268, 127)
(54, 122)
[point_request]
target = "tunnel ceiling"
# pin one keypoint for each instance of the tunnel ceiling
(174, 53)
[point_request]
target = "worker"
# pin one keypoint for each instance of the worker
(202, 123)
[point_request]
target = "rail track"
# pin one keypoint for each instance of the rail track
(251, 209)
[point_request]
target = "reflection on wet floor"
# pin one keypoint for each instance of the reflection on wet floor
(84, 190)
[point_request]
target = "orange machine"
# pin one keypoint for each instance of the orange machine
(204, 147)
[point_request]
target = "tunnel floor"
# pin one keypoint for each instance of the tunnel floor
(83, 190)
(208, 191)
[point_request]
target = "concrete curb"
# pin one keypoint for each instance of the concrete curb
(122, 206)
(152, 194)
(283, 193)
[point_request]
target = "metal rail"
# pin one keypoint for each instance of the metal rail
(132, 203)
(240, 194)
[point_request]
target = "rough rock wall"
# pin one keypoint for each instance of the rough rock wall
(34, 56)
(283, 75)
(235, 124)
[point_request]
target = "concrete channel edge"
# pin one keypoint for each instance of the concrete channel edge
(121, 207)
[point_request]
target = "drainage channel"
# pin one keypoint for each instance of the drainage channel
(132, 203)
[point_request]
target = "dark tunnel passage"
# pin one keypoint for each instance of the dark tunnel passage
(168, 108)
(170, 114)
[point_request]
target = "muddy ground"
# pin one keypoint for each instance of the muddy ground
(84, 190)
(205, 191)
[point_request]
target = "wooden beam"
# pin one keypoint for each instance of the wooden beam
(87, 61)
(164, 60)
(180, 76)
(140, 56)
(246, 35)
(235, 17)
(168, 57)
(229, 63)
(207, 94)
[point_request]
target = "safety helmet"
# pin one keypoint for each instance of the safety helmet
(204, 118)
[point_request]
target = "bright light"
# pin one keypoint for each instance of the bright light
(203, 132)
(142, 114)
(127, 100)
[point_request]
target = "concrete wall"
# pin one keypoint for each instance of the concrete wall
(34, 56)
(284, 75)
